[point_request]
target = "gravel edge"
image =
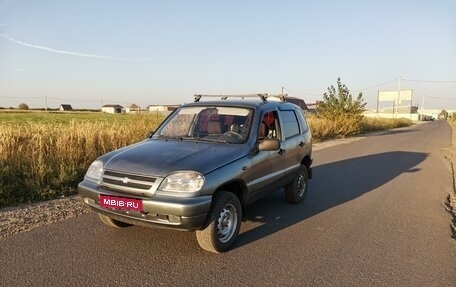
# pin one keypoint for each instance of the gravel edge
(17, 219)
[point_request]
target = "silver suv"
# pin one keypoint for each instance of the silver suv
(203, 165)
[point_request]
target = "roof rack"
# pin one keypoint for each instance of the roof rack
(263, 97)
(281, 97)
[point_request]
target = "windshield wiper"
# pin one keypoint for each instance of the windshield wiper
(189, 138)
(203, 139)
(198, 139)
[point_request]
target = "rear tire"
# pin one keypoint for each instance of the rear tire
(112, 222)
(296, 191)
(224, 224)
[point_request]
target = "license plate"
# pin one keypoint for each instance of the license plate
(124, 203)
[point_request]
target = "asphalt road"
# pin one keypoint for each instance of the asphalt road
(374, 216)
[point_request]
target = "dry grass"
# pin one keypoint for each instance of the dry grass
(379, 124)
(323, 129)
(43, 160)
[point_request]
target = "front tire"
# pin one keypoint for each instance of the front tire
(112, 222)
(296, 191)
(224, 224)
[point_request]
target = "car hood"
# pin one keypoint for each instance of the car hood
(160, 157)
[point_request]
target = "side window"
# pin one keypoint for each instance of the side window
(290, 124)
(269, 125)
(302, 121)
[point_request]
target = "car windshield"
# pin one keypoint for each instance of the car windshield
(215, 124)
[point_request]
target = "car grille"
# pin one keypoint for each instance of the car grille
(129, 183)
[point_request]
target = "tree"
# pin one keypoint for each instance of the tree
(23, 106)
(339, 107)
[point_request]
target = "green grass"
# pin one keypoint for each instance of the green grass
(54, 117)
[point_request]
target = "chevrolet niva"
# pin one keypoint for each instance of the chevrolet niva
(202, 167)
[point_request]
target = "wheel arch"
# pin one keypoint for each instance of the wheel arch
(307, 162)
(237, 187)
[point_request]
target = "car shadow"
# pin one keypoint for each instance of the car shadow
(333, 184)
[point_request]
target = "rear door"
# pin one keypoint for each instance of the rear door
(294, 142)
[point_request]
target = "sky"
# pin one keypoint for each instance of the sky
(90, 53)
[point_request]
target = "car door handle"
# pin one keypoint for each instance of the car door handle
(301, 144)
(281, 151)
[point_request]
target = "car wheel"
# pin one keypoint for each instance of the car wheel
(112, 222)
(296, 191)
(224, 223)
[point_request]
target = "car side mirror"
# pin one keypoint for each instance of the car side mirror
(269, 144)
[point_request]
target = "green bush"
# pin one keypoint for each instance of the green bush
(23, 106)
(342, 110)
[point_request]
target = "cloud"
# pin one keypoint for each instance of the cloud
(71, 53)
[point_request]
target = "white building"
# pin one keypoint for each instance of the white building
(133, 108)
(162, 108)
(404, 112)
(113, 109)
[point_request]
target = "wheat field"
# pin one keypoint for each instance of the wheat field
(43, 159)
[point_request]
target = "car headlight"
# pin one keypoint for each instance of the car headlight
(184, 181)
(95, 171)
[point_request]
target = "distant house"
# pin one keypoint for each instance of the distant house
(162, 108)
(133, 108)
(312, 107)
(65, 107)
(112, 109)
(297, 101)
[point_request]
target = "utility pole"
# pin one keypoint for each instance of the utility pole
(422, 104)
(398, 96)
(378, 99)
(282, 90)
(46, 102)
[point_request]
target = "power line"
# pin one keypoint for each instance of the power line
(21, 97)
(74, 100)
(302, 93)
(377, 85)
(360, 90)
(439, 98)
(429, 81)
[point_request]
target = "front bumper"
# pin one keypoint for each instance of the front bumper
(181, 213)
